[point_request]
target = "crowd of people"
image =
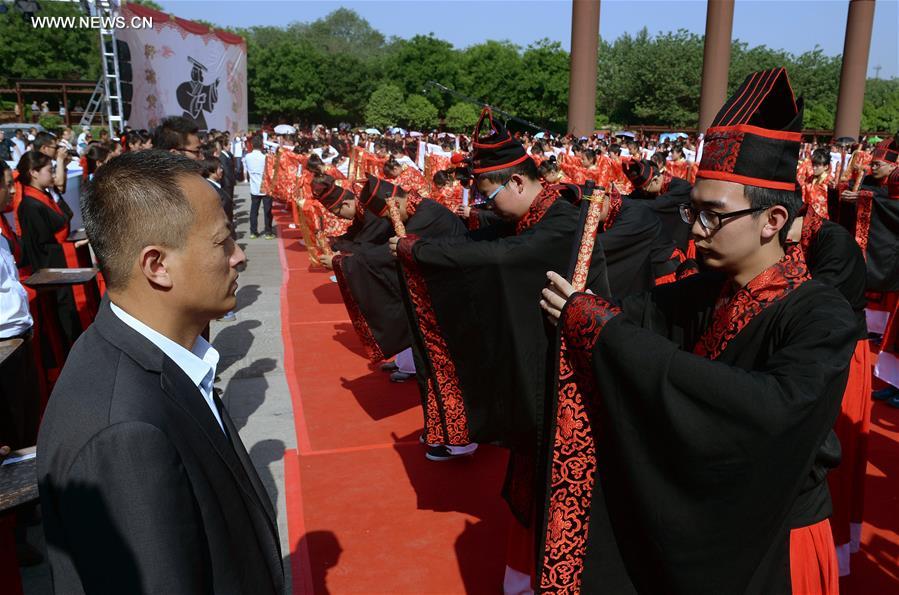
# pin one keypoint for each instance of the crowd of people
(675, 338)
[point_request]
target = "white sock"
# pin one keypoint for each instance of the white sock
(843, 559)
(516, 582)
(855, 537)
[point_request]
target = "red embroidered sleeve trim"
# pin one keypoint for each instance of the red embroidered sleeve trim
(734, 312)
(474, 221)
(614, 210)
(583, 319)
(572, 479)
(863, 205)
(537, 210)
(811, 225)
(574, 451)
(413, 200)
(360, 325)
(445, 415)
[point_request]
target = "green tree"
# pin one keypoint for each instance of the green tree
(344, 32)
(488, 72)
(462, 117)
(411, 63)
(420, 113)
(385, 107)
(881, 112)
(38, 53)
(284, 79)
(543, 84)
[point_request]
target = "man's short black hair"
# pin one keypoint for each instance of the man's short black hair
(256, 141)
(526, 169)
(43, 139)
(134, 201)
(172, 133)
(820, 157)
(791, 200)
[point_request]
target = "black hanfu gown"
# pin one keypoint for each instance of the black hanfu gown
(369, 281)
(698, 434)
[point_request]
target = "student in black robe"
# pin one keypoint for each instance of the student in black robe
(704, 436)
(663, 193)
(484, 348)
(367, 277)
(44, 226)
(639, 252)
(366, 229)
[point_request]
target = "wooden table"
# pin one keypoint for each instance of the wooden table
(9, 347)
(55, 278)
(77, 236)
(18, 481)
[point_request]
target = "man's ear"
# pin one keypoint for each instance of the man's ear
(154, 261)
(776, 218)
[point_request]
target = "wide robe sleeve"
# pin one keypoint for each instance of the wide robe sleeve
(485, 297)
(700, 461)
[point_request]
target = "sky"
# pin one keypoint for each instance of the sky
(793, 25)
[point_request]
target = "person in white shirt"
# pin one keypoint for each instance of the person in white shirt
(237, 146)
(19, 398)
(255, 162)
(83, 139)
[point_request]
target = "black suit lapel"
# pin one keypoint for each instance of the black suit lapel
(186, 395)
(244, 458)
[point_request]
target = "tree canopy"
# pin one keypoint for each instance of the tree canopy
(335, 70)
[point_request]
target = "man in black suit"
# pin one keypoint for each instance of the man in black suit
(144, 482)
(228, 171)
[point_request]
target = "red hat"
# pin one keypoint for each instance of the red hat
(754, 139)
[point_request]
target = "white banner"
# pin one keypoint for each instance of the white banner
(181, 68)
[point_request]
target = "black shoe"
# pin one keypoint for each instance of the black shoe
(389, 367)
(400, 376)
(443, 452)
(893, 401)
(886, 393)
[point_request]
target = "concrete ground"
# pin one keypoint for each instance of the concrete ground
(251, 374)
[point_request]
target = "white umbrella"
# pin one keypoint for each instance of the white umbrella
(285, 129)
(414, 134)
(445, 134)
(372, 131)
(539, 135)
(397, 129)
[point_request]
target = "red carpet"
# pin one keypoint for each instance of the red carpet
(368, 514)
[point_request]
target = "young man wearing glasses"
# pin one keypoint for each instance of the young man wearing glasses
(710, 402)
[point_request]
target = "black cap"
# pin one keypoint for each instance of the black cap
(754, 139)
(497, 150)
(374, 195)
(640, 173)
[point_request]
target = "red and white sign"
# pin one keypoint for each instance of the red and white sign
(183, 68)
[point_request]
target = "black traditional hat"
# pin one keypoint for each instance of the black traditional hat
(754, 139)
(497, 149)
(332, 195)
(574, 193)
(886, 150)
(374, 195)
(640, 173)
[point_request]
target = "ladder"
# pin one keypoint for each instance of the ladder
(112, 86)
(94, 105)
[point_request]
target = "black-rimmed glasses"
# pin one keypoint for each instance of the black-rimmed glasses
(711, 220)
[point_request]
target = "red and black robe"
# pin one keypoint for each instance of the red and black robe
(45, 230)
(370, 285)
(483, 349)
(693, 433)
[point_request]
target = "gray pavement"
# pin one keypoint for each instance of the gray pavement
(251, 374)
